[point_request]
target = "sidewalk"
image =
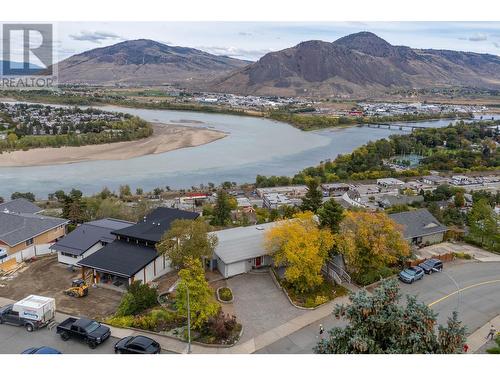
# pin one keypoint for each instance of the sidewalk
(477, 339)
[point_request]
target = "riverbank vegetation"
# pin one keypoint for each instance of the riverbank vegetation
(97, 132)
(315, 122)
(459, 148)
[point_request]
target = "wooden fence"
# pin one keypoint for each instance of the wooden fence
(448, 257)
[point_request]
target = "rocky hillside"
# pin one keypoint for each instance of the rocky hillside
(360, 64)
(144, 62)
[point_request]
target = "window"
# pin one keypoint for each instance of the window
(29, 242)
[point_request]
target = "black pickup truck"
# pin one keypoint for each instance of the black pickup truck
(8, 315)
(90, 331)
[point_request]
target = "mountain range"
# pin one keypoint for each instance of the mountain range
(144, 62)
(360, 64)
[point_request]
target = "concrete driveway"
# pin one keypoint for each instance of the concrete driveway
(449, 247)
(259, 305)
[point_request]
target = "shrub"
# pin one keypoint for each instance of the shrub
(138, 298)
(220, 327)
(372, 276)
(462, 255)
(121, 321)
(225, 294)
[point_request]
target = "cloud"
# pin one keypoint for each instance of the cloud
(94, 36)
(244, 33)
(496, 44)
(239, 53)
(478, 37)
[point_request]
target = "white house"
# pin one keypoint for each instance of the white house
(86, 239)
(242, 249)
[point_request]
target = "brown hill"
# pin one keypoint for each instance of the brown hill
(144, 62)
(360, 64)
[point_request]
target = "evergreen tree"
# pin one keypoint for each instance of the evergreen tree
(379, 324)
(330, 215)
(313, 198)
(222, 209)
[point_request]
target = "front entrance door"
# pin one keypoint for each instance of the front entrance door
(258, 262)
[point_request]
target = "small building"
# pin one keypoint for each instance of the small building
(276, 200)
(434, 180)
(335, 189)
(21, 234)
(241, 249)
(132, 256)
(389, 200)
(86, 239)
(353, 199)
(290, 191)
(390, 182)
(420, 226)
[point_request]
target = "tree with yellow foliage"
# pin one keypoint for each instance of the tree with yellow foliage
(370, 242)
(302, 247)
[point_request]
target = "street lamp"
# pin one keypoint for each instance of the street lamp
(189, 321)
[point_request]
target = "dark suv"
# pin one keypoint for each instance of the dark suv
(431, 265)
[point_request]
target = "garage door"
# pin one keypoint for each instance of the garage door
(236, 268)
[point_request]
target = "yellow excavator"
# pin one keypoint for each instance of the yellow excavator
(79, 288)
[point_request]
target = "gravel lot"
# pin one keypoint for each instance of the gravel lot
(47, 277)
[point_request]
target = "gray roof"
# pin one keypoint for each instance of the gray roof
(242, 243)
(418, 223)
(391, 200)
(16, 228)
(88, 234)
(120, 258)
(21, 206)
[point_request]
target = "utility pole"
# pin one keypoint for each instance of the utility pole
(189, 321)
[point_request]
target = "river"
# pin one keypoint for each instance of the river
(254, 146)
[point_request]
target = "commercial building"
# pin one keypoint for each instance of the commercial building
(390, 182)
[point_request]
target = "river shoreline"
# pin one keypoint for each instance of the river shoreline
(165, 138)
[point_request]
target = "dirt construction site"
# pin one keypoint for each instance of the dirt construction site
(45, 276)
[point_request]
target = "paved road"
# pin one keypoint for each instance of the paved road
(13, 340)
(478, 302)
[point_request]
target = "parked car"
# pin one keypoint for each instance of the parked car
(137, 345)
(87, 330)
(41, 350)
(411, 274)
(32, 312)
(431, 265)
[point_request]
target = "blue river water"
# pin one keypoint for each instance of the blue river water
(253, 146)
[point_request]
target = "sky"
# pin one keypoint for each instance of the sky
(251, 40)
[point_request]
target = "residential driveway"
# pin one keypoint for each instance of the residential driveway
(449, 247)
(259, 305)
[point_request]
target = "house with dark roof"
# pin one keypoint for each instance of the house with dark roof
(86, 239)
(20, 206)
(132, 256)
(22, 233)
(420, 226)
